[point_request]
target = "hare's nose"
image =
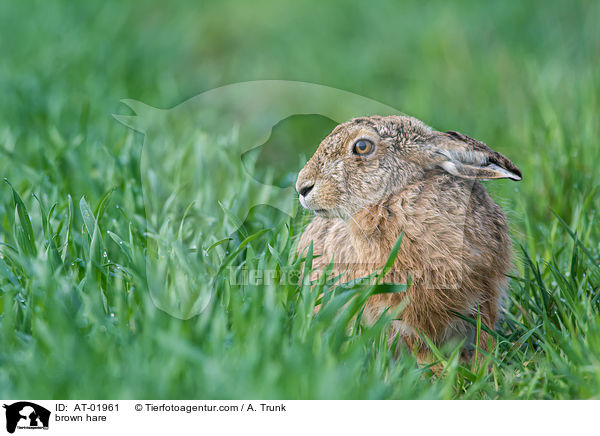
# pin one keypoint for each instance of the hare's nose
(305, 189)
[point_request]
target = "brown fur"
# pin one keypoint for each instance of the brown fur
(423, 183)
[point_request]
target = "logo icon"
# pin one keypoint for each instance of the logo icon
(200, 143)
(26, 415)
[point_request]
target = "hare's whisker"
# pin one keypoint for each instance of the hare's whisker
(374, 217)
(358, 225)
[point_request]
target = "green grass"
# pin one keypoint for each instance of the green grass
(77, 316)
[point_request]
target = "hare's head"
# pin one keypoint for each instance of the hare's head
(366, 160)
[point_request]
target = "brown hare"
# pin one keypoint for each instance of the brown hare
(375, 177)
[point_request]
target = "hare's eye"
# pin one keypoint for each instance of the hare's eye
(363, 146)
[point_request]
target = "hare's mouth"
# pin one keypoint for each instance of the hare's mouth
(325, 213)
(331, 213)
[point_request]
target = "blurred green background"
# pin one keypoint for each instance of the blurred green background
(521, 76)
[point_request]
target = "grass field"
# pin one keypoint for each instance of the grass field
(76, 316)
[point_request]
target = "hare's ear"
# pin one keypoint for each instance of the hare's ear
(466, 157)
